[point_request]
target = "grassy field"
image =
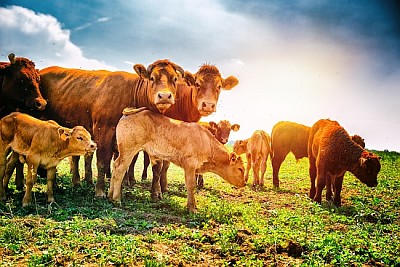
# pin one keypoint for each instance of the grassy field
(233, 227)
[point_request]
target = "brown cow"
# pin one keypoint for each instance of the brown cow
(39, 143)
(221, 131)
(187, 145)
(287, 137)
(95, 100)
(332, 152)
(196, 98)
(257, 149)
(292, 137)
(19, 89)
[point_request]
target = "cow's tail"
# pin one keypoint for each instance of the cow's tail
(130, 111)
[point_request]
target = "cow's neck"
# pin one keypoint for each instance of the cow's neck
(140, 94)
(218, 158)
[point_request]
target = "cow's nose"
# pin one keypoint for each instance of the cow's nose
(208, 106)
(164, 96)
(93, 146)
(40, 104)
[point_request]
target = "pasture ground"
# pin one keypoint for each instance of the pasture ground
(233, 227)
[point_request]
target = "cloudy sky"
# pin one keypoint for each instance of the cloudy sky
(295, 60)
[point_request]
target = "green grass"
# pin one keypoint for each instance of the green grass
(233, 227)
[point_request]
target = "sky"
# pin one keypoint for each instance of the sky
(296, 61)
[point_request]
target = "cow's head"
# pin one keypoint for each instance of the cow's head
(368, 169)
(223, 130)
(80, 140)
(162, 77)
(235, 171)
(20, 86)
(240, 146)
(208, 84)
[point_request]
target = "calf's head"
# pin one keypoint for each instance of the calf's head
(20, 86)
(240, 147)
(223, 130)
(234, 171)
(80, 141)
(369, 167)
(162, 77)
(208, 83)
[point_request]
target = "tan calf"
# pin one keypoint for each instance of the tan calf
(257, 149)
(39, 143)
(187, 145)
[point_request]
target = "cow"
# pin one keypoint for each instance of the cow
(292, 137)
(196, 97)
(95, 100)
(257, 149)
(331, 153)
(221, 131)
(39, 143)
(19, 89)
(187, 145)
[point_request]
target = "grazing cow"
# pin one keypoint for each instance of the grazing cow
(95, 100)
(257, 149)
(196, 98)
(187, 145)
(332, 152)
(287, 137)
(221, 131)
(39, 143)
(19, 89)
(292, 137)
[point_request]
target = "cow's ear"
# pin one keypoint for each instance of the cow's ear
(141, 71)
(213, 124)
(189, 78)
(64, 133)
(11, 57)
(229, 83)
(235, 127)
(362, 161)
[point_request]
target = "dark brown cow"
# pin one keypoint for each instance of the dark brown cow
(187, 145)
(221, 131)
(196, 98)
(95, 100)
(257, 149)
(39, 143)
(292, 137)
(332, 152)
(287, 137)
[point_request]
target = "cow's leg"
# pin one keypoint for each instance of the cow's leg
(199, 180)
(74, 168)
(321, 182)
(88, 169)
(163, 176)
(256, 173)
(329, 181)
(3, 160)
(190, 182)
(156, 193)
(246, 173)
(30, 181)
(313, 174)
(276, 165)
(263, 169)
(51, 177)
(129, 178)
(337, 201)
(146, 163)
(10, 166)
(120, 167)
(19, 175)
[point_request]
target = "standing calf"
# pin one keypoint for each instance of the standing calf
(187, 145)
(257, 149)
(39, 143)
(332, 152)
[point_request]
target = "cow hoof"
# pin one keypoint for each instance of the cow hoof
(144, 178)
(100, 194)
(24, 205)
(156, 197)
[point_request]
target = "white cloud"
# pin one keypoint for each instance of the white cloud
(41, 38)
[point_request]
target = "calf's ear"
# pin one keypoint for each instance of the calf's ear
(229, 83)
(213, 124)
(141, 70)
(64, 133)
(235, 127)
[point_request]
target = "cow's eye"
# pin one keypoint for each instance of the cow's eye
(152, 78)
(197, 85)
(80, 138)
(175, 79)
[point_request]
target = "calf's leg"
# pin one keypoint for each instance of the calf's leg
(163, 176)
(190, 182)
(74, 168)
(156, 193)
(263, 169)
(88, 169)
(51, 177)
(3, 159)
(30, 181)
(12, 161)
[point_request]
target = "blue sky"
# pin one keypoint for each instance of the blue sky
(295, 60)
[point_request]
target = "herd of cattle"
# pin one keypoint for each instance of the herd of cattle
(56, 112)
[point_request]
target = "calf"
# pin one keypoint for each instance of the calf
(257, 149)
(39, 143)
(187, 145)
(332, 152)
(221, 131)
